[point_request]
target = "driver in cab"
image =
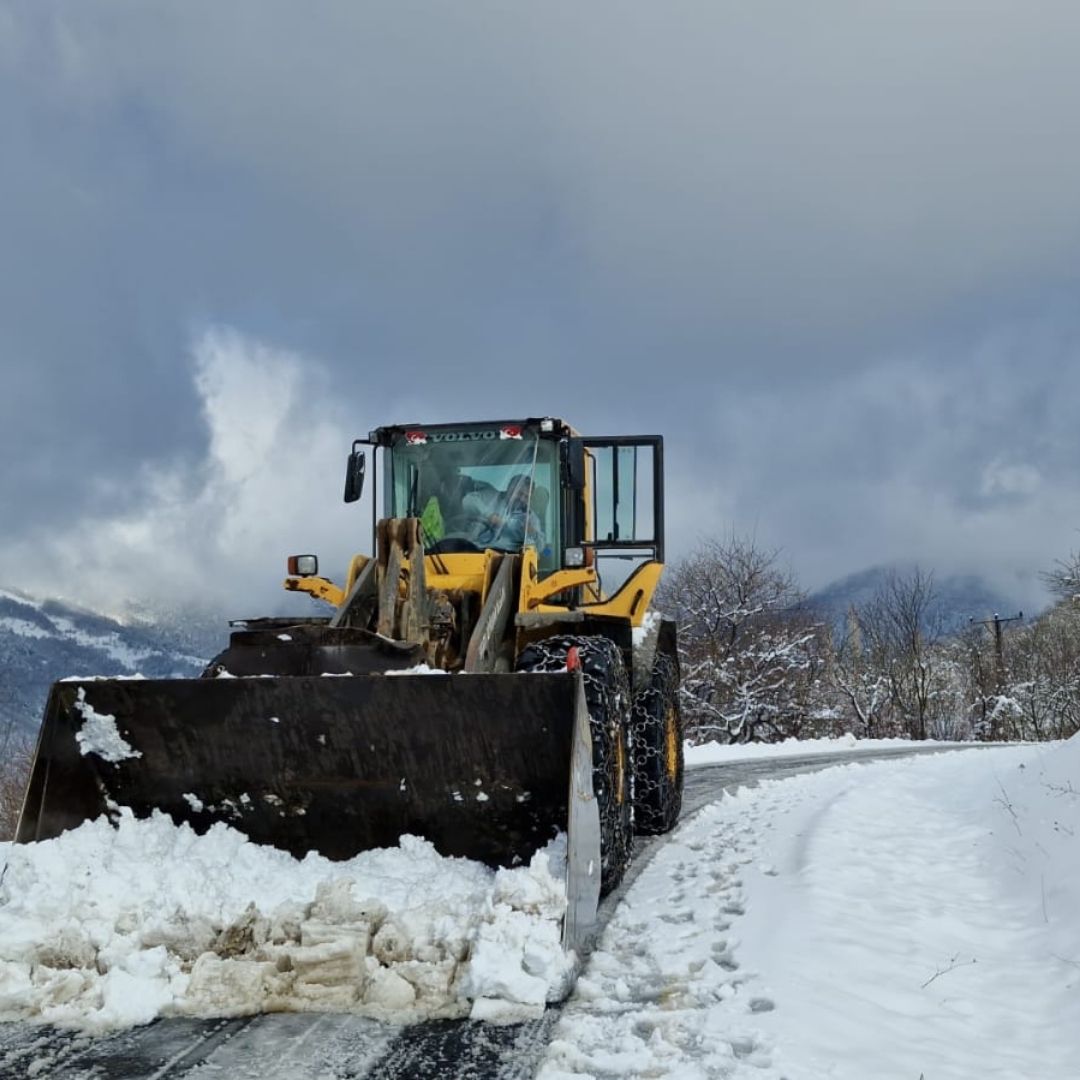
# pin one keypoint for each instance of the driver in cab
(504, 519)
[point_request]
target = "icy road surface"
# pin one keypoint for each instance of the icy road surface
(876, 920)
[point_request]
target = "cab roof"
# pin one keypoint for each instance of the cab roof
(545, 425)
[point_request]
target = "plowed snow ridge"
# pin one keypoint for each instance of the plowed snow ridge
(107, 927)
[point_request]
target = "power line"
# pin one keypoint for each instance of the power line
(999, 644)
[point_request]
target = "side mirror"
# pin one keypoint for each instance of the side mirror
(354, 474)
(575, 464)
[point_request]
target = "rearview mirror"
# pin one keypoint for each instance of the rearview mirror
(354, 474)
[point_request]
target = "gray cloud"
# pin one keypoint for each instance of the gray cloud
(829, 251)
(962, 458)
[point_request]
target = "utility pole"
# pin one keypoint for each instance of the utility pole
(999, 645)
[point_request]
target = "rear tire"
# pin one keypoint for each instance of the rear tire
(607, 696)
(658, 750)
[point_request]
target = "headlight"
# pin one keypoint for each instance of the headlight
(303, 565)
(575, 556)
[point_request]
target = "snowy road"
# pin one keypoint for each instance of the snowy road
(635, 988)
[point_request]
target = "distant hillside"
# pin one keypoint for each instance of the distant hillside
(960, 597)
(45, 640)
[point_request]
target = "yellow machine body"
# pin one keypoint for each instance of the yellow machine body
(566, 711)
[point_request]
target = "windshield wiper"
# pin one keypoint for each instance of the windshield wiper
(411, 508)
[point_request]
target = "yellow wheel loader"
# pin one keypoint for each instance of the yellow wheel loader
(491, 676)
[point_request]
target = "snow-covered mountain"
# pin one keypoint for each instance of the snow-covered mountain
(957, 597)
(45, 640)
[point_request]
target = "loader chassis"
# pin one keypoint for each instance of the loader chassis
(499, 626)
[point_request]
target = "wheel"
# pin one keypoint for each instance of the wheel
(658, 750)
(607, 696)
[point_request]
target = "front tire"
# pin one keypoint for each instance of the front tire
(607, 697)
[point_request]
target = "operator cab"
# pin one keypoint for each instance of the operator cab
(504, 485)
(477, 486)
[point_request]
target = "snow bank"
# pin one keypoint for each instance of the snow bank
(945, 896)
(1036, 844)
(710, 753)
(915, 917)
(107, 927)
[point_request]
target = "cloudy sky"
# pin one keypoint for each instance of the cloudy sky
(831, 251)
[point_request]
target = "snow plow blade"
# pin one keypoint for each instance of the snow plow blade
(484, 766)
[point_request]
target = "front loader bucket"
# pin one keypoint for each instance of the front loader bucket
(480, 765)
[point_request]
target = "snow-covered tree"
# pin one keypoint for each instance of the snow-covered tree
(758, 666)
(1064, 580)
(1040, 696)
(750, 654)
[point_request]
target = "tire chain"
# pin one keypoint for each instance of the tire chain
(607, 697)
(657, 796)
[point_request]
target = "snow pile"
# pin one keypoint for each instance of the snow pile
(107, 927)
(918, 917)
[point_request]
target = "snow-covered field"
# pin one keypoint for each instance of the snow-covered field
(907, 919)
(916, 917)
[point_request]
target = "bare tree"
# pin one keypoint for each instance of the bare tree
(1064, 580)
(14, 773)
(747, 648)
(902, 626)
(863, 683)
